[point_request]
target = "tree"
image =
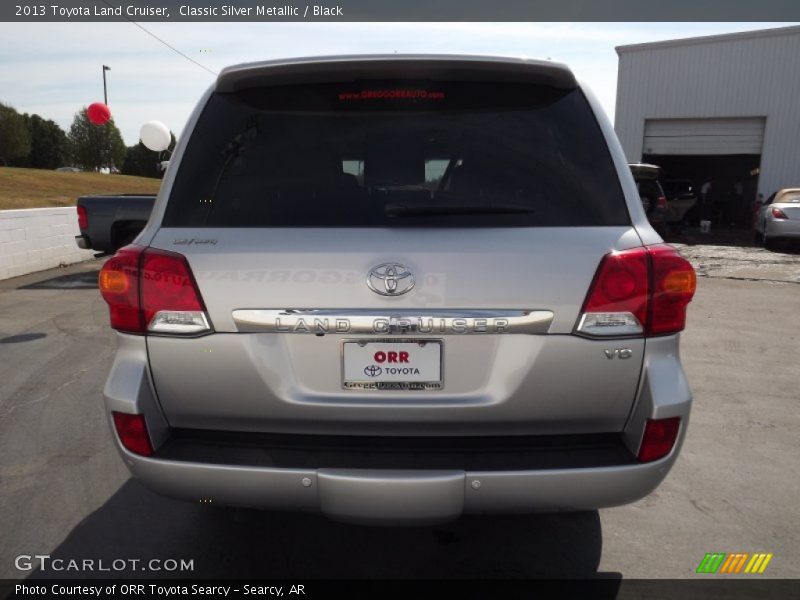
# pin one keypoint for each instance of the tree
(49, 143)
(94, 146)
(143, 162)
(15, 141)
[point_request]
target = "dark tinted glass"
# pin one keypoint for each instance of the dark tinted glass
(650, 189)
(674, 188)
(384, 154)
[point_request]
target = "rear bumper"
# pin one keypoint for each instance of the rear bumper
(784, 228)
(82, 241)
(400, 496)
(416, 489)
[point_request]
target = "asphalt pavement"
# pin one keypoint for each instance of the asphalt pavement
(64, 491)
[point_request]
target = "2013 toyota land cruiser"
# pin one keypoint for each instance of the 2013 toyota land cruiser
(398, 289)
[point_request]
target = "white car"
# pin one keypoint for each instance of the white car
(779, 217)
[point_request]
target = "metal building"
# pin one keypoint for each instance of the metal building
(723, 109)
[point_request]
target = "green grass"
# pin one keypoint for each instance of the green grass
(40, 188)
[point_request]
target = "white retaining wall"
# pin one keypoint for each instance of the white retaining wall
(36, 239)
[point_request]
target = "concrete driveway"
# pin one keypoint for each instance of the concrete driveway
(65, 492)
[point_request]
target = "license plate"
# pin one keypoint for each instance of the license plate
(388, 365)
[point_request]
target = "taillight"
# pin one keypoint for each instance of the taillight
(658, 439)
(779, 214)
(171, 302)
(83, 218)
(661, 203)
(119, 286)
(132, 432)
(642, 290)
(152, 291)
(617, 300)
(673, 283)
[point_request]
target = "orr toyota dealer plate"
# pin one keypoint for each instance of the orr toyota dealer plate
(392, 365)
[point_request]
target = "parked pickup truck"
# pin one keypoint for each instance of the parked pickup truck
(108, 223)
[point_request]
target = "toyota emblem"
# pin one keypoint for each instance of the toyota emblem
(390, 279)
(372, 370)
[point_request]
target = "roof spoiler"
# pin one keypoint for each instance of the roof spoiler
(644, 170)
(337, 69)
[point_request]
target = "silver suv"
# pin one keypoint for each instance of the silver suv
(398, 289)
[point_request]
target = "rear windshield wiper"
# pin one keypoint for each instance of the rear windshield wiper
(235, 148)
(402, 209)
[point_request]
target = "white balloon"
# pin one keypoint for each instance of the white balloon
(155, 136)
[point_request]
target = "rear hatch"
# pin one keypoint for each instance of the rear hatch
(332, 227)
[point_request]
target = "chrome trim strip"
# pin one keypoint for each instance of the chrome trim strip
(375, 322)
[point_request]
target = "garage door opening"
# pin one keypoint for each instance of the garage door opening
(721, 155)
(733, 179)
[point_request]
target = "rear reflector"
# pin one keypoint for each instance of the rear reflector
(83, 218)
(132, 432)
(779, 214)
(659, 438)
(639, 291)
(150, 290)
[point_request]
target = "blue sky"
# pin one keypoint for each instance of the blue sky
(54, 69)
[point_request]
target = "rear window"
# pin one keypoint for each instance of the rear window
(388, 154)
(650, 189)
(791, 197)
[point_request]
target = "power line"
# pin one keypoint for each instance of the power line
(171, 47)
(174, 49)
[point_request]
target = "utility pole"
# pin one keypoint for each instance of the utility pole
(105, 89)
(105, 101)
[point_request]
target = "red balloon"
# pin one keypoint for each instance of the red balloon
(98, 113)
